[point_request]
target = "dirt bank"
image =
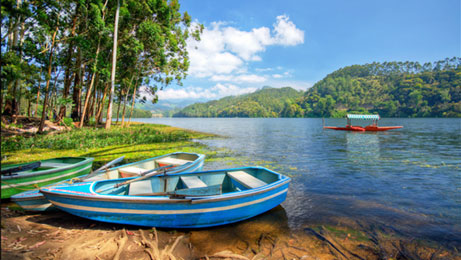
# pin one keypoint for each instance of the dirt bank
(23, 125)
(58, 235)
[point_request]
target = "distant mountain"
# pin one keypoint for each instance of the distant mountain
(166, 107)
(390, 89)
(266, 102)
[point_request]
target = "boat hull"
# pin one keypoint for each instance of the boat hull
(369, 128)
(347, 128)
(169, 213)
(380, 128)
(35, 201)
(32, 180)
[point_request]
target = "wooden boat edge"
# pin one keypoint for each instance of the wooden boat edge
(51, 171)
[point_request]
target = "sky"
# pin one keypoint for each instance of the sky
(250, 44)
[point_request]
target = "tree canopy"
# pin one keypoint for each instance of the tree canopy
(391, 89)
(55, 54)
(267, 102)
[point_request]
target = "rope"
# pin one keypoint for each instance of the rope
(72, 181)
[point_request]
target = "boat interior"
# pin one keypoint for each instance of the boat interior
(48, 164)
(192, 184)
(132, 170)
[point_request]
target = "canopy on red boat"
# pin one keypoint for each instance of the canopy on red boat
(364, 117)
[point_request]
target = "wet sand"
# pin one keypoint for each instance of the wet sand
(58, 235)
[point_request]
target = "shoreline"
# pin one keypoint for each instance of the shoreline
(267, 236)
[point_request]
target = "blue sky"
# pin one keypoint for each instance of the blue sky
(250, 44)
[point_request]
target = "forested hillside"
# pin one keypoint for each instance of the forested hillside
(391, 89)
(267, 102)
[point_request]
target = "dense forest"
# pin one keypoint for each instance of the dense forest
(82, 58)
(267, 102)
(390, 89)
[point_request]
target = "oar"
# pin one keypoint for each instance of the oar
(21, 168)
(144, 175)
(105, 166)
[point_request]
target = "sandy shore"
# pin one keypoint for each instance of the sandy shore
(58, 235)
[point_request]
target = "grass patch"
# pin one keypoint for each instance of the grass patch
(137, 142)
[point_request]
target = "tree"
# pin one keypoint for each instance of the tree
(114, 64)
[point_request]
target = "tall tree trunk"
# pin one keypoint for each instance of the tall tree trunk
(11, 104)
(101, 104)
(125, 99)
(124, 105)
(114, 63)
(93, 100)
(75, 93)
(55, 91)
(18, 85)
(38, 93)
(133, 99)
(88, 93)
(28, 107)
(68, 74)
(50, 65)
(118, 107)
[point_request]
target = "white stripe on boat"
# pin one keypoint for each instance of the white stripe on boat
(7, 186)
(166, 212)
(46, 205)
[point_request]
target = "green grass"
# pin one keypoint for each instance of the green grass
(137, 142)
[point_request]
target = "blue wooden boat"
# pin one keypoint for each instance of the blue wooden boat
(190, 200)
(172, 163)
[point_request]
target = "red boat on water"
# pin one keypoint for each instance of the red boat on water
(373, 127)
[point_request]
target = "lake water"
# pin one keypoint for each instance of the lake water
(407, 180)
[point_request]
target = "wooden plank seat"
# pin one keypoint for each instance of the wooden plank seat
(131, 171)
(192, 182)
(171, 161)
(140, 187)
(247, 180)
(54, 165)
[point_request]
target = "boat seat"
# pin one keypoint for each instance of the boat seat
(131, 171)
(247, 180)
(171, 161)
(54, 165)
(192, 182)
(140, 187)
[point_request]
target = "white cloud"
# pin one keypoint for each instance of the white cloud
(286, 32)
(244, 78)
(224, 90)
(227, 50)
(285, 74)
(215, 92)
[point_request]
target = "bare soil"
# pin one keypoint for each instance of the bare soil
(58, 235)
(23, 125)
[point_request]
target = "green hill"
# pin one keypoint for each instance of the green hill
(267, 102)
(391, 89)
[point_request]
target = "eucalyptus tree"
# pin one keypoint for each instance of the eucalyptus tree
(51, 17)
(114, 63)
(14, 16)
(97, 13)
(153, 38)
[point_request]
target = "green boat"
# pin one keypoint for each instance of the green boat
(28, 176)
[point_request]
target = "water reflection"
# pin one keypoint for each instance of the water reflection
(363, 148)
